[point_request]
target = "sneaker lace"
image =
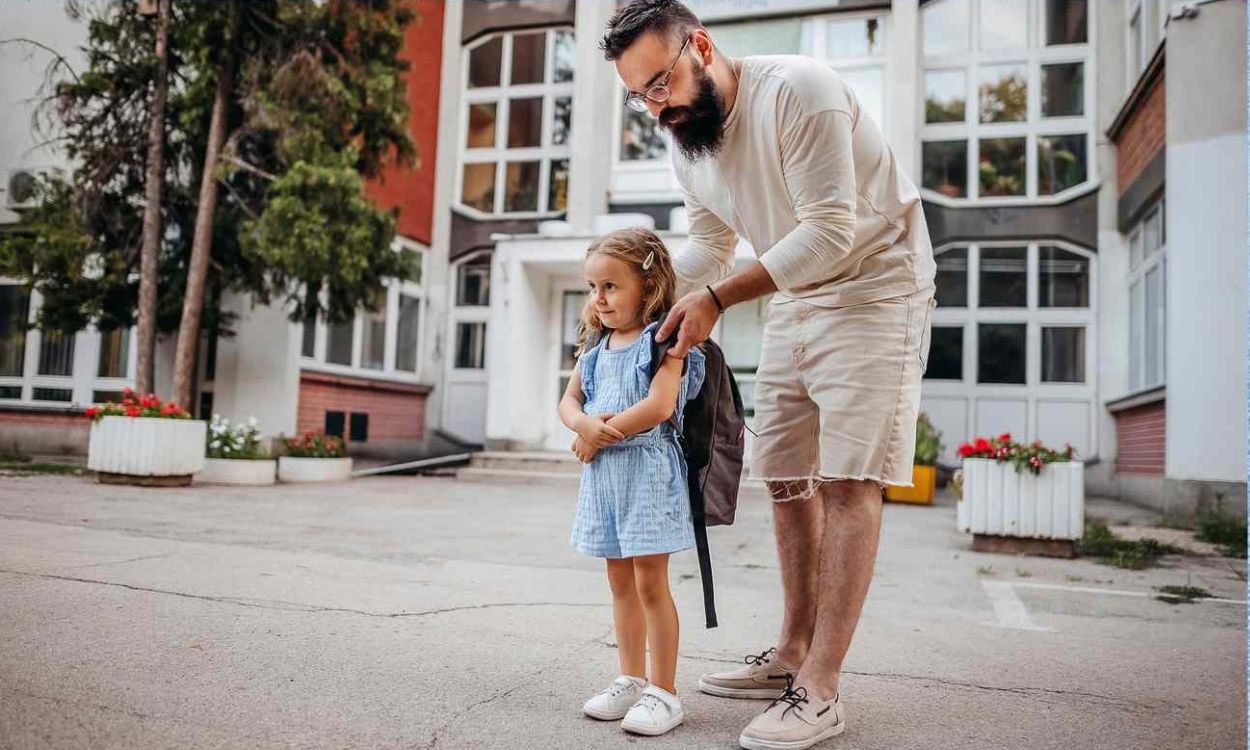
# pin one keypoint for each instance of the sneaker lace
(616, 689)
(762, 658)
(650, 702)
(793, 698)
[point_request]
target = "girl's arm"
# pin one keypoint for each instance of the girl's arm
(659, 404)
(592, 429)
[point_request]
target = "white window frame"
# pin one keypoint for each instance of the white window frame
(500, 154)
(1033, 316)
(1136, 286)
(815, 40)
(394, 288)
(1035, 127)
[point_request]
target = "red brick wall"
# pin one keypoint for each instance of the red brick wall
(396, 410)
(411, 190)
(25, 432)
(1139, 436)
(1144, 135)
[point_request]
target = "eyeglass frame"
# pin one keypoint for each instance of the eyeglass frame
(637, 101)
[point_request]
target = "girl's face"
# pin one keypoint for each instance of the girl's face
(615, 291)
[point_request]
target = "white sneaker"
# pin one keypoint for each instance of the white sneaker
(655, 713)
(612, 703)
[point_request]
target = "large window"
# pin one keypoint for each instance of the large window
(517, 123)
(1007, 113)
(1012, 314)
(384, 341)
(1147, 300)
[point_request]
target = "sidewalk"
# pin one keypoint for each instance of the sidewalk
(416, 612)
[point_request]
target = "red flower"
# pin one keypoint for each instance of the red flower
(1005, 437)
(132, 411)
(982, 444)
(92, 411)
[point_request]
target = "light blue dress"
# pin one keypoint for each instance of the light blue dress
(633, 498)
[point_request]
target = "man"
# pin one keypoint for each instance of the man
(778, 151)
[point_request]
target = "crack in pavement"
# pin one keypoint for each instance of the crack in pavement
(277, 604)
(116, 562)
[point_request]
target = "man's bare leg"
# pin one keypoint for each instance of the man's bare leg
(798, 525)
(852, 529)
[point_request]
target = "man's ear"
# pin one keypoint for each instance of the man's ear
(701, 40)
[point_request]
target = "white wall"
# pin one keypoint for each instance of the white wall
(1206, 240)
(258, 369)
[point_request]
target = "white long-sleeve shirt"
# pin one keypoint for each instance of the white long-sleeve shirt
(807, 178)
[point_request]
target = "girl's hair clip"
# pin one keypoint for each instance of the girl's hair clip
(646, 264)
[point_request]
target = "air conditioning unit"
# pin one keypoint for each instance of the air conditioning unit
(22, 185)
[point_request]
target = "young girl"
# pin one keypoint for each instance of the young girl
(633, 508)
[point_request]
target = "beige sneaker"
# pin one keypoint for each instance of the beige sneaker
(794, 721)
(762, 677)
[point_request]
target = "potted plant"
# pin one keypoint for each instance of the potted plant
(1010, 489)
(235, 455)
(314, 457)
(924, 466)
(143, 441)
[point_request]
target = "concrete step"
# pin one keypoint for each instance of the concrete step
(516, 476)
(542, 462)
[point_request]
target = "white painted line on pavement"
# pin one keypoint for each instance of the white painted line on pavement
(1008, 609)
(1116, 592)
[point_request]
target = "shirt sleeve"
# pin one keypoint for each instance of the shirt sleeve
(819, 173)
(709, 253)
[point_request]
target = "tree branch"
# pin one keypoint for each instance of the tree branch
(248, 167)
(60, 59)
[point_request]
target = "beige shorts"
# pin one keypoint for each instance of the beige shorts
(838, 391)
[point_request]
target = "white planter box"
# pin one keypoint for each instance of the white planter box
(314, 469)
(238, 471)
(147, 446)
(999, 501)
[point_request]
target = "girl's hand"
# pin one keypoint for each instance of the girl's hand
(583, 451)
(597, 434)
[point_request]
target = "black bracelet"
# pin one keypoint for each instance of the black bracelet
(715, 299)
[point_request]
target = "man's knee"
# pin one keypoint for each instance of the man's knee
(792, 489)
(851, 491)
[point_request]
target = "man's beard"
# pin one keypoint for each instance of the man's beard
(698, 128)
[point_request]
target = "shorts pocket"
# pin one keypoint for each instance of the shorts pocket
(926, 335)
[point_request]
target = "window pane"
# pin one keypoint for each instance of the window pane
(561, 120)
(863, 37)
(525, 122)
(1004, 277)
(14, 312)
(1063, 355)
(1150, 234)
(1004, 24)
(946, 354)
(114, 353)
(564, 57)
(1004, 93)
(570, 315)
(479, 186)
(558, 186)
(56, 353)
(521, 190)
(1134, 251)
(1002, 166)
(484, 63)
(1152, 327)
(946, 167)
(373, 345)
(471, 345)
(339, 343)
(52, 394)
(308, 346)
(1063, 90)
(1063, 278)
(869, 87)
(1060, 163)
(1066, 21)
(641, 138)
(1000, 353)
(10, 391)
(481, 125)
(944, 95)
(742, 330)
(772, 37)
(416, 264)
(945, 27)
(408, 334)
(1136, 325)
(952, 278)
(109, 397)
(473, 283)
(529, 55)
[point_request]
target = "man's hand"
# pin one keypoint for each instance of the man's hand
(597, 434)
(583, 451)
(696, 313)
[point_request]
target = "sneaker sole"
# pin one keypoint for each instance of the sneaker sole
(721, 691)
(754, 743)
(651, 731)
(604, 715)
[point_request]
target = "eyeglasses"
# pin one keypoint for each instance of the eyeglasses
(659, 91)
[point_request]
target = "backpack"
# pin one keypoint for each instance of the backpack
(712, 439)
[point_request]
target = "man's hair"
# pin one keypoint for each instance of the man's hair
(638, 17)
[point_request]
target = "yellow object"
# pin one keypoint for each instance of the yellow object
(925, 480)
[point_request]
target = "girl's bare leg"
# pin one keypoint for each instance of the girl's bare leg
(628, 617)
(662, 628)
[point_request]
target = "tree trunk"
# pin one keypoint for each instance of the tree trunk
(152, 224)
(202, 241)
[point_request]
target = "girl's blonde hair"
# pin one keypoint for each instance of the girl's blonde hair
(659, 280)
